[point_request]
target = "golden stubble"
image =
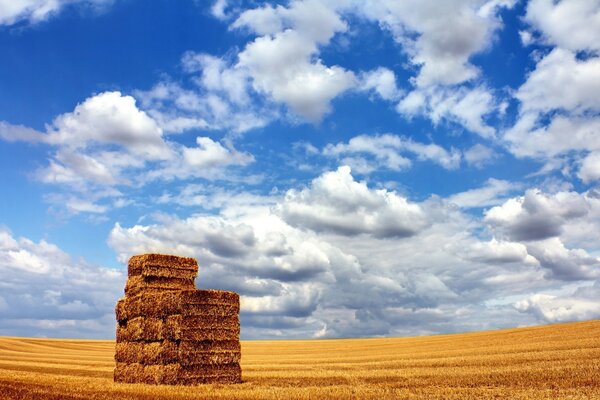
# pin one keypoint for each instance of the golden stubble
(547, 362)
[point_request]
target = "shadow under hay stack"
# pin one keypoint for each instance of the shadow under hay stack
(169, 332)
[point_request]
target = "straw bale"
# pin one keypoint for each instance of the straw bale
(165, 352)
(177, 327)
(209, 297)
(160, 374)
(121, 309)
(128, 372)
(211, 379)
(188, 346)
(141, 329)
(208, 357)
(138, 284)
(160, 304)
(203, 321)
(139, 263)
(210, 371)
(129, 352)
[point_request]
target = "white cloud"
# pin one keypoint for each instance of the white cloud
(108, 142)
(381, 81)
(561, 81)
(283, 62)
(560, 94)
(34, 11)
(479, 155)
(218, 9)
(590, 167)
(387, 151)
(326, 205)
(572, 24)
(492, 193)
(467, 107)
(42, 283)
(583, 304)
(443, 57)
(555, 228)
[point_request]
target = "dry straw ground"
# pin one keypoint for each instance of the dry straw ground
(547, 362)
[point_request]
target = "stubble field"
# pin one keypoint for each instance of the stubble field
(547, 362)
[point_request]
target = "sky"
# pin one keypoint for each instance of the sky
(352, 168)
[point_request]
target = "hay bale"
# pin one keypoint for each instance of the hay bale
(208, 357)
(128, 372)
(141, 329)
(139, 284)
(178, 327)
(171, 333)
(208, 345)
(226, 373)
(129, 352)
(162, 265)
(165, 352)
(121, 309)
(160, 374)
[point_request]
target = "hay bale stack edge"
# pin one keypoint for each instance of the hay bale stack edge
(169, 332)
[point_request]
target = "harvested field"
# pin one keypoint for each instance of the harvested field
(546, 362)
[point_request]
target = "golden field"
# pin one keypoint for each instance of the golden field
(545, 362)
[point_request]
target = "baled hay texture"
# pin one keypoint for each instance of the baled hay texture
(177, 327)
(213, 379)
(121, 310)
(150, 374)
(187, 346)
(139, 284)
(141, 329)
(209, 357)
(138, 263)
(162, 304)
(210, 371)
(204, 321)
(210, 297)
(129, 352)
(165, 352)
(161, 374)
(128, 373)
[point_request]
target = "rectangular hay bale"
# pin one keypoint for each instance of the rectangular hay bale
(161, 374)
(160, 353)
(139, 284)
(129, 352)
(128, 372)
(178, 327)
(210, 373)
(141, 329)
(187, 346)
(209, 357)
(121, 309)
(142, 264)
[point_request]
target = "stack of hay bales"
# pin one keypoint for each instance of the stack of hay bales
(169, 332)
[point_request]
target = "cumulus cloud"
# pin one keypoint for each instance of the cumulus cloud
(34, 11)
(572, 25)
(559, 95)
(583, 304)
(464, 106)
(44, 289)
(107, 139)
(479, 155)
(283, 61)
(366, 153)
(443, 58)
(331, 198)
(381, 81)
(494, 192)
(547, 224)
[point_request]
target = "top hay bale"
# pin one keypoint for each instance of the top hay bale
(162, 266)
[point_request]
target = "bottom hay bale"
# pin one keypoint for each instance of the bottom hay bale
(149, 374)
(226, 373)
(174, 374)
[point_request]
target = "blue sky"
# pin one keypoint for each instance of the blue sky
(351, 168)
